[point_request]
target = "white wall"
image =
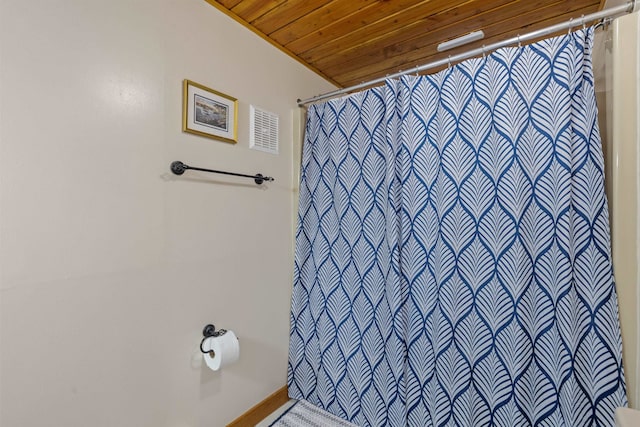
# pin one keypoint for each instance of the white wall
(109, 265)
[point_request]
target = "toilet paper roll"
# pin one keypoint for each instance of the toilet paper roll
(221, 350)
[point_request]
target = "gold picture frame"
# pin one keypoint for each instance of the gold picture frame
(207, 112)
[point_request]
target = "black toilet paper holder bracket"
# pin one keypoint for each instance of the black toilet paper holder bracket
(210, 331)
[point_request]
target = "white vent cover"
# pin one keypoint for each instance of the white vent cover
(264, 131)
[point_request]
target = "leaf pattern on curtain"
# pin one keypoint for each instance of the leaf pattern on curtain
(453, 259)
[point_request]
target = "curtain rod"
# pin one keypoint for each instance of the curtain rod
(567, 25)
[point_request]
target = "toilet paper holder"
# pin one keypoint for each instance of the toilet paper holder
(210, 331)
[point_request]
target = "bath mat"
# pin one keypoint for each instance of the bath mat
(304, 414)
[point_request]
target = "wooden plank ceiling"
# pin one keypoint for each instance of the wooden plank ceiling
(351, 41)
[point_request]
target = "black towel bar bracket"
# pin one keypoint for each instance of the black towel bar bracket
(179, 168)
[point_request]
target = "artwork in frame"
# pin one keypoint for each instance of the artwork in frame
(207, 112)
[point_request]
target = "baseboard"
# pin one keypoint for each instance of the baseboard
(262, 410)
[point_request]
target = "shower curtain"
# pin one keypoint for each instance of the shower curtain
(452, 261)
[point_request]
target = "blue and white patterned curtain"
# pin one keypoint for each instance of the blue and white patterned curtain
(453, 258)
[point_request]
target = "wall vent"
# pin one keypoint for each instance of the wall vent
(264, 131)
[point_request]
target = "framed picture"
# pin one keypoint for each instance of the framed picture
(207, 112)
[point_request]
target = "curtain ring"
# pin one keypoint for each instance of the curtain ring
(519, 43)
(584, 26)
(570, 26)
(449, 60)
(483, 52)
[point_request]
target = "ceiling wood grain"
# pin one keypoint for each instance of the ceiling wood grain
(350, 41)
